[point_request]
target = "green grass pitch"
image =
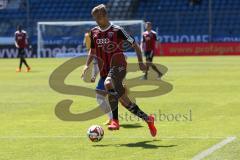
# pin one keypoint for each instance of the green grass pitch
(205, 88)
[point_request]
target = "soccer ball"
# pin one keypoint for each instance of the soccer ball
(95, 133)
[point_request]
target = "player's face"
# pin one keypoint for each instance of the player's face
(100, 19)
(148, 26)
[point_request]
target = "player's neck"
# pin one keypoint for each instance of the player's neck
(149, 30)
(105, 26)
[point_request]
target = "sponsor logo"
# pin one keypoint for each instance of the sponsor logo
(102, 41)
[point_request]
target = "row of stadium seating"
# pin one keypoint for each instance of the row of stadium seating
(179, 17)
(170, 17)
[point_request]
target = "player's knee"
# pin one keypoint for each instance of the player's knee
(108, 83)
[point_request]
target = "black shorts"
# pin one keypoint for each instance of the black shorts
(117, 74)
(21, 52)
(149, 56)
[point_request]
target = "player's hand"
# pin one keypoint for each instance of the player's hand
(142, 66)
(84, 72)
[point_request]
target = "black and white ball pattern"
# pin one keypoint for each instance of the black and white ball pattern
(95, 133)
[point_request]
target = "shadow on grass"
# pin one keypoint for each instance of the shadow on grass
(142, 144)
(146, 145)
(136, 125)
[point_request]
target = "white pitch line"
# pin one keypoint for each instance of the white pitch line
(212, 149)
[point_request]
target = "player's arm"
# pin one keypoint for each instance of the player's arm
(125, 36)
(28, 44)
(143, 43)
(91, 54)
(139, 55)
(95, 70)
(26, 39)
(156, 40)
(16, 41)
(84, 40)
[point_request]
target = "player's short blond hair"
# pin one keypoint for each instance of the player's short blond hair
(100, 9)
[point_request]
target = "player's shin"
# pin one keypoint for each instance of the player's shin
(134, 109)
(146, 72)
(20, 63)
(103, 103)
(156, 70)
(112, 97)
(113, 101)
(25, 62)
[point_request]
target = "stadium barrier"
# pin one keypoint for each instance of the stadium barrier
(198, 49)
(163, 49)
(10, 51)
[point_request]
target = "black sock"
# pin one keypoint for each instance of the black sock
(156, 70)
(113, 101)
(134, 109)
(20, 64)
(25, 62)
(146, 72)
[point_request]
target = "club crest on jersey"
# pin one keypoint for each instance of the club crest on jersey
(110, 34)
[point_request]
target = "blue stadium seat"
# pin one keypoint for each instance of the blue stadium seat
(171, 17)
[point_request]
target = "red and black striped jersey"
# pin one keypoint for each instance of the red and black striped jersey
(21, 38)
(109, 45)
(149, 40)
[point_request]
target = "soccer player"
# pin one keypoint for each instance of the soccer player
(113, 65)
(148, 46)
(21, 43)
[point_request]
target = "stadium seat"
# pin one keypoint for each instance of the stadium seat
(170, 16)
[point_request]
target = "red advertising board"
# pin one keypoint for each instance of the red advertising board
(198, 49)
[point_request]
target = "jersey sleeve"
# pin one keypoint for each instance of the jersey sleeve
(125, 36)
(15, 36)
(143, 39)
(92, 41)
